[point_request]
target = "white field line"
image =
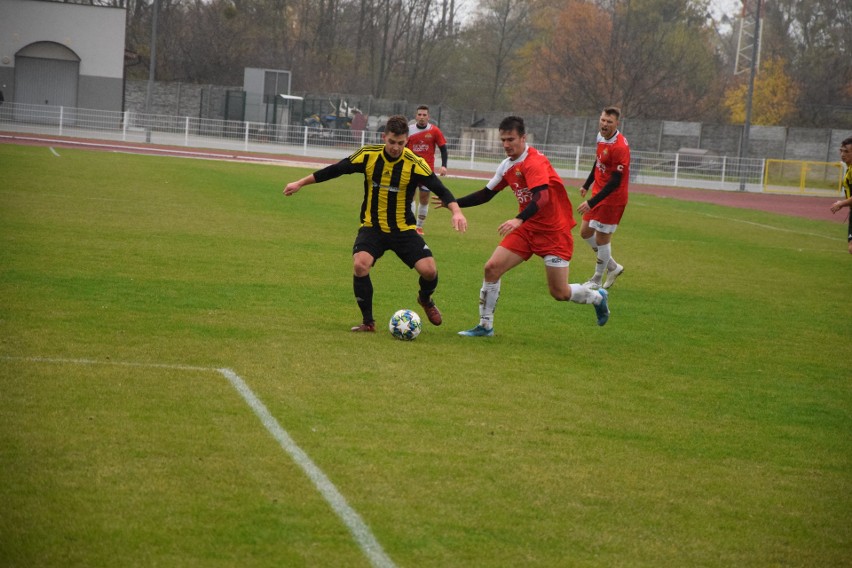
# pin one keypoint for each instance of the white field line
(363, 536)
(55, 153)
(761, 225)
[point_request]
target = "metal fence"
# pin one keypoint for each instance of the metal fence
(473, 151)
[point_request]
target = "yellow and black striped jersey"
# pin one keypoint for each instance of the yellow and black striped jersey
(847, 182)
(389, 185)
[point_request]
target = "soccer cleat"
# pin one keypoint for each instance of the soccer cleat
(420, 231)
(365, 327)
(478, 331)
(432, 311)
(612, 275)
(592, 284)
(602, 309)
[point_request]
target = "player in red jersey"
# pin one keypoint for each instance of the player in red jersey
(423, 138)
(541, 227)
(602, 213)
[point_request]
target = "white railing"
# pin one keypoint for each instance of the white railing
(466, 153)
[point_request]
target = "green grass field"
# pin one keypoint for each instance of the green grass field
(707, 424)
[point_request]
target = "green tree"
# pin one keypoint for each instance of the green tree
(773, 100)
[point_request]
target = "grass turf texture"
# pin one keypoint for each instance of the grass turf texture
(706, 424)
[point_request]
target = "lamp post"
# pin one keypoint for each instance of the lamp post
(750, 95)
(152, 69)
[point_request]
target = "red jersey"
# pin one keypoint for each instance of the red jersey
(533, 169)
(613, 155)
(423, 141)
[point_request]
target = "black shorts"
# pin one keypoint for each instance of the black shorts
(408, 245)
(849, 239)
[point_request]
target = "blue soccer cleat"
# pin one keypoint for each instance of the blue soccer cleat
(602, 309)
(478, 331)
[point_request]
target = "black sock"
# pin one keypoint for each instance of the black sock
(363, 287)
(427, 288)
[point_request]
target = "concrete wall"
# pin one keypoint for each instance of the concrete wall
(94, 33)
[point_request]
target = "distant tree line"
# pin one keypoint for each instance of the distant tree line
(664, 59)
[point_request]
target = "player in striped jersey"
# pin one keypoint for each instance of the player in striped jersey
(392, 174)
(846, 158)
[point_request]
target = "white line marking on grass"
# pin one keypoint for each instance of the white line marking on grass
(768, 226)
(55, 153)
(359, 529)
(347, 514)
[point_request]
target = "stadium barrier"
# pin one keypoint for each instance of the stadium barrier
(686, 168)
(803, 177)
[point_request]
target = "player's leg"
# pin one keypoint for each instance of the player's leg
(557, 282)
(428, 284)
(363, 288)
(850, 232)
(368, 248)
(502, 260)
(422, 208)
(603, 240)
(587, 233)
(605, 224)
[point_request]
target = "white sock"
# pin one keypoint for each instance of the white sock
(604, 256)
(582, 295)
(488, 295)
(592, 242)
(422, 211)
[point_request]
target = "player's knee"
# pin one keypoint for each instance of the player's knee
(492, 272)
(560, 294)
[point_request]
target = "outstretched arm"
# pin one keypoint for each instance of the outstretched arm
(295, 186)
(838, 205)
(344, 166)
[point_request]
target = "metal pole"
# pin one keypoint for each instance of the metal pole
(152, 69)
(750, 96)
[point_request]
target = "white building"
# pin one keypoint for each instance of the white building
(62, 54)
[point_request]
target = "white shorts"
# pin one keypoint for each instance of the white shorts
(601, 228)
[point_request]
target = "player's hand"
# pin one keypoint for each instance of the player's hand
(436, 201)
(583, 192)
(583, 208)
(509, 226)
(443, 171)
(836, 206)
(459, 222)
(292, 188)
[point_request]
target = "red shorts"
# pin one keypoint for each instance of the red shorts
(605, 215)
(541, 243)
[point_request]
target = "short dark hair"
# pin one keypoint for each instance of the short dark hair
(613, 111)
(847, 142)
(423, 107)
(397, 124)
(515, 123)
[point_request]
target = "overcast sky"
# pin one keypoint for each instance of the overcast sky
(729, 8)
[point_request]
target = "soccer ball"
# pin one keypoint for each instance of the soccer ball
(405, 325)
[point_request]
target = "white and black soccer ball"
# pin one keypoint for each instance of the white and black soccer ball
(405, 325)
